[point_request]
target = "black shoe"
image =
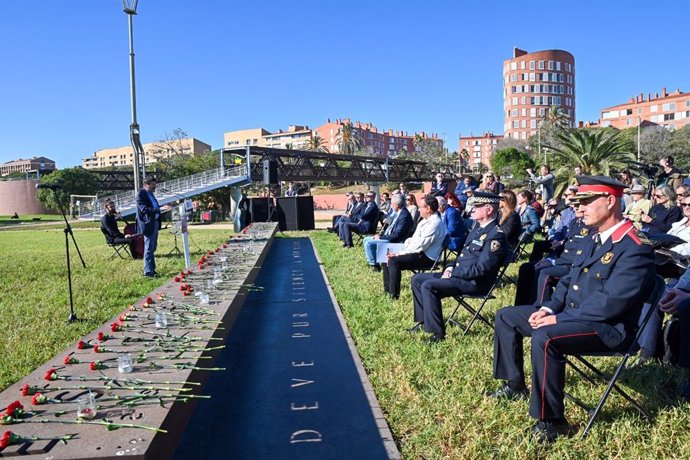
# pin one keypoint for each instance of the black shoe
(376, 267)
(416, 328)
(437, 338)
(506, 392)
(393, 296)
(545, 431)
(642, 361)
(330, 230)
(150, 275)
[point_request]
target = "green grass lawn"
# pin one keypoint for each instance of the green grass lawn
(34, 300)
(432, 396)
(28, 219)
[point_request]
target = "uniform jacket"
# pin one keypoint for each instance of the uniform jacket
(606, 286)
(578, 234)
(400, 228)
(147, 215)
(481, 258)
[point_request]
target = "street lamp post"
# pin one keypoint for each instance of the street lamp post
(130, 9)
(639, 127)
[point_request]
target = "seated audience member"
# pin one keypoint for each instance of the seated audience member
(489, 183)
(681, 229)
(596, 307)
(15, 215)
(670, 175)
(402, 189)
(500, 186)
(474, 272)
(681, 191)
(366, 223)
(420, 251)
(638, 206)
(351, 202)
(411, 203)
(395, 232)
(452, 218)
(528, 216)
(536, 203)
(466, 190)
(353, 215)
(113, 235)
(385, 204)
(509, 219)
(538, 278)
(439, 188)
(663, 213)
(558, 234)
(676, 301)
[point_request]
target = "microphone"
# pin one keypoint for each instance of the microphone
(49, 186)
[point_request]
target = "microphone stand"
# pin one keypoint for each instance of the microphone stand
(68, 231)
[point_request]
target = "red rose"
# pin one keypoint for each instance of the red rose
(28, 390)
(38, 399)
(51, 375)
(101, 336)
(188, 272)
(185, 293)
(149, 300)
(225, 245)
(96, 365)
(5, 440)
(116, 327)
(177, 279)
(182, 273)
(217, 249)
(97, 349)
(13, 407)
(71, 360)
(81, 345)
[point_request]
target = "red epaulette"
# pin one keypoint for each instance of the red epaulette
(628, 228)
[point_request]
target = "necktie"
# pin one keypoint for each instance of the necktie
(389, 229)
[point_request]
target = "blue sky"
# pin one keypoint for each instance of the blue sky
(210, 66)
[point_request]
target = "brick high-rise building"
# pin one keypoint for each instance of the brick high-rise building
(532, 83)
(479, 149)
(671, 111)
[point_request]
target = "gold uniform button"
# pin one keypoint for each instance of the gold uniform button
(572, 304)
(598, 275)
(585, 270)
(575, 287)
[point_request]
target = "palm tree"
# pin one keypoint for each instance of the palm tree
(556, 118)
(348, 139)
(597, 152)
(316, 143)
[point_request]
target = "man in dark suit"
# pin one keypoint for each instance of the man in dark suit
(149, 222)
(353, 215)
(368, 220)
(596, 307)
(395, 232)
(474, 272)
(439, 188)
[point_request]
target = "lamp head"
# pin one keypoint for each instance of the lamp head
(130, 6)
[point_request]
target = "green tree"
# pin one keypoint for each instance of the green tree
(655, 142)
(316, 143)
(348, 140)
(511, 162)
(680, 146)
(72, 181)
(597, 152)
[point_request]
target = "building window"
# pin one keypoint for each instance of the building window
(522, 65)
(654, 108)
(558, 66)
(532, 76)
(523, 100)
(516, 124)
(513, 66)
(669, 116)
(668, 106)
(524, 112)
(515, 112)
(515, 101)
(551, 65)
(541, 65)
(531, 65)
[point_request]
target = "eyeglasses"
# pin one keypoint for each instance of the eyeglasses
(659, 195)
(685, 205)
(408, 199)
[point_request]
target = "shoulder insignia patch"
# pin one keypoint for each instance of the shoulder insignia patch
(495, 246)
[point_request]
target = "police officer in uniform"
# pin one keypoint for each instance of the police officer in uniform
(596, 307)
(473, 273)
(537, 280)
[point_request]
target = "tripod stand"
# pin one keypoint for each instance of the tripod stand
(68, 231)
(175, 250)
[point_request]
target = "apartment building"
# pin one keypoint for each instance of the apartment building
(532, 83)
(479, 149)
(40, 164)
(296, 137)
(672, 111)
(154, 151)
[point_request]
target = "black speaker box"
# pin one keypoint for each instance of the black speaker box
(270, 172)
(259, 209)
(296, 213)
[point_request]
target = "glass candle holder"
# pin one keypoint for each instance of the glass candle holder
(124, 363)
(161, 320)
(86, 406)
(204, 298)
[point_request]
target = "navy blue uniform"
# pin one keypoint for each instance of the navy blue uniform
(597, 307)
(473, 273)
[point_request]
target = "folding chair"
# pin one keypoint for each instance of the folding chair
(477, 313)
(358, 238)
(653, 301)
(119, 248)
(439, 258)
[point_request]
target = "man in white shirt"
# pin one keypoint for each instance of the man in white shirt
(420, 251)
